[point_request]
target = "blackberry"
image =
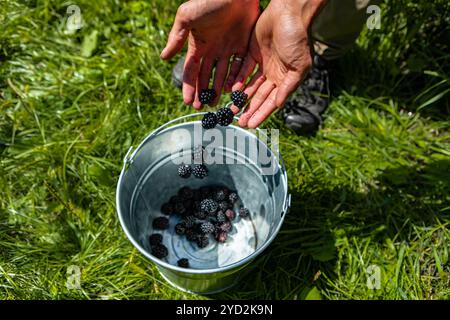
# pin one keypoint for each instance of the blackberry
(200, 215)
(184, 171)
(225, 226)
(220, 217)
(167, 208)
(221, 236)
(207, 96)
(186, 193)
(180, 228)
(160, 223)
(205, 192)
(199, 154)
(233, 197)
(230, 214)
(200, 171)
(209, 120)
(175, 199)
(202, 241)
(207, 228)
(160, 251)
(180, 208)
(183, 262)
(191, 235)
(239, 98)
(223, 205)
(189, 221)
(155, 239)
(244, 212)
(208, 206)
(224, 116)
(220, 194)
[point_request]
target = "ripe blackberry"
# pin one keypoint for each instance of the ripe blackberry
(189, 221)
(180, 228)
(155, 239)
(223, 205)
(239, 98)
(167, 208)
(200, 171)
(183, 262)
(207, 96)
(233, 197)
(199, 154)
(186, 193)
(202, 241)
(221, 236)
(221, 194)
(206, 192)
(220, 217)
(191, 235)
(207, 227)
(244, 212)
(160, 223)
(224, 116)
(184, 171)
(225, 226)
(200, 215)
(230, 214)
(160, 251)
(209, 120)
(208, 206)
(180, 208)
(175, 199)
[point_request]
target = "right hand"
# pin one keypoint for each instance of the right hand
(217, 30)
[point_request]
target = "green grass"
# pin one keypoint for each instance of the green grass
(371, 188)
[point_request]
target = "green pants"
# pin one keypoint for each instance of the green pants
(338, 25)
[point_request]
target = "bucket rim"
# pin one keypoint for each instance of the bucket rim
(235, 265)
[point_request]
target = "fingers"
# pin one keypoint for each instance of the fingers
(190, 74)
(247, 68)
(289, 85)
(257, 80)
(219, 77)
(264, 111)
(260, 96)
(234, 70)
(203, 79)
(177, 38)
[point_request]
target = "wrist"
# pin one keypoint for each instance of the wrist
(306, 10)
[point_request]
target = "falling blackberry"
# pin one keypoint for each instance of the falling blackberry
(244, 212)
(207, 227)
(184, 171)
(207, 96)
(155, 239)
(208, 206)
(183, 262)
(230, 214)
(180, 228)
(160, 223)
(202, 241)
(160, 251)
(199, 154)
(233, 197)
(200, 171)
(224, 116)
(209, 120)
(167, 208)
(239, 98)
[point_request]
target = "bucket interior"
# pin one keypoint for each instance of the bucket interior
(151, 179)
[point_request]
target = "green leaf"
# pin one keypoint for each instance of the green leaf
(311, 294)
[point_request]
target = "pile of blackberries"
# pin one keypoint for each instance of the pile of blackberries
(205, 214)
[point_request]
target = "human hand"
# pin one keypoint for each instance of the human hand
(280, 47)
(217, 30)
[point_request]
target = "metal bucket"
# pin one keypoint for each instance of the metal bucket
(149, 177)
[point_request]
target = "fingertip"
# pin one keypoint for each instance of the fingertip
(197, 105)
(234, 109)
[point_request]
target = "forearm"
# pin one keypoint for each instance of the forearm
(306, 10)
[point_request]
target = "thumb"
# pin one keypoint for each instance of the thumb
(176, 40)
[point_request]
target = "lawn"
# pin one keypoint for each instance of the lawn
(371, 188)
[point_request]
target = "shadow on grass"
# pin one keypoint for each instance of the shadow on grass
(306, 248)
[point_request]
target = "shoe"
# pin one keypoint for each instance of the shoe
(303, 111)
(177, 73)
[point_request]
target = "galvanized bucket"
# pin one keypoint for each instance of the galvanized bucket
(149, 177)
